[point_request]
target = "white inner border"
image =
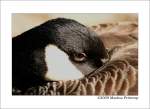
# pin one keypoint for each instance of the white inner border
(9, 7)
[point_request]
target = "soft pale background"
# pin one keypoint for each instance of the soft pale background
(22, 22)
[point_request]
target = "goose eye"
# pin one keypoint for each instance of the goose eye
(80, 57)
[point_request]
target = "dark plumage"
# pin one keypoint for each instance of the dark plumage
(28, 50)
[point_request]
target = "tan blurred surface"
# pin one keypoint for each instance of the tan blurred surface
(25, 21)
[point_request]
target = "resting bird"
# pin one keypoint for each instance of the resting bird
(59, 49)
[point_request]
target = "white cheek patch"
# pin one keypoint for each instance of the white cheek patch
(59, 65)
(85, 68)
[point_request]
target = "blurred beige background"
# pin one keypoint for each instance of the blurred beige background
(25, 21)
